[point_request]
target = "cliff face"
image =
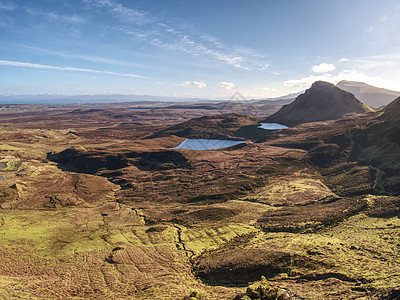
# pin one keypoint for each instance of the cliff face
(323, 101)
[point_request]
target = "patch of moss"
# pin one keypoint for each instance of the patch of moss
(199, 239)
(12, 165)
(53, 233)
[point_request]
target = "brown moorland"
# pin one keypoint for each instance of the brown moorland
(94, 206)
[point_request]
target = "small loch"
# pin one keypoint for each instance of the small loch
(272, 126)
(206, 144)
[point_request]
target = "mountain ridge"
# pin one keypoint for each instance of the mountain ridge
(321, 102)
(368, 94)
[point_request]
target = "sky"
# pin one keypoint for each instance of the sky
(190, 48)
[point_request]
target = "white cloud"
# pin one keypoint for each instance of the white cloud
(226, 85)
(323, 68)
(199, 84)
(343, 59)
(351, 75)
(368, 64)
(373, 62)
(71, 69)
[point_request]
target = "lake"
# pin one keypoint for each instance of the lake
(206, 144)
(272, 126)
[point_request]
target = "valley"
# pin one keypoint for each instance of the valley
(99, 201)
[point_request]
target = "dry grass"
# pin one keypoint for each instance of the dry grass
(232, 216)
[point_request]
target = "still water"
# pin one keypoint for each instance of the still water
(205, 144)
(272, 126)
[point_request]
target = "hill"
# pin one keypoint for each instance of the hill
(323, 101)
(368, 94)
(392, 110)
(224, 126)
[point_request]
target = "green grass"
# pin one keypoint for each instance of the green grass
(291, 191)
(374, 154)
(362, 248)
(52, 233)
(7, 147)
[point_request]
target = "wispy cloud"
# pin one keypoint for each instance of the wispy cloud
(226, 85)
(54, 16)
(91, 58)
(323, 68)
(7, 6)
(125, 14)
(161, 33)
(199, 84)
(372, 62)
(70, 69)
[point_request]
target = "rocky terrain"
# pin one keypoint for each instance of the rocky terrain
(95, 203)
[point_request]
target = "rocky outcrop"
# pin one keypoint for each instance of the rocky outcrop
(263, 290)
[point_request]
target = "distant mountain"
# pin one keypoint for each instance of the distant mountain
(368, 94)
(111, 98)
(323, 101)
(50, 99)
(282, 99)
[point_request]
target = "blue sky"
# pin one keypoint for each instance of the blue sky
(189, 48)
